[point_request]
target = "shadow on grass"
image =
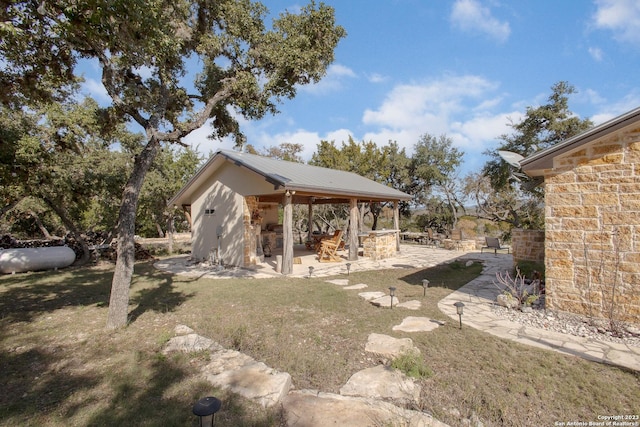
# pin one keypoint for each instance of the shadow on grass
(161, 297)
(24, 296)
(37, 392)
(31, 385)
(450, 275)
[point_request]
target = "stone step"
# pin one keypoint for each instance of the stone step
(389, 347)
(234, 371)
(312, 408)
(418, 324)
(382, 382)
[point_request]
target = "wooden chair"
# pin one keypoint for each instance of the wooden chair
(494, 243)
(433, 240)
(329, 247)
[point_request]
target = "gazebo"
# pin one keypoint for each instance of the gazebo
(228, 200)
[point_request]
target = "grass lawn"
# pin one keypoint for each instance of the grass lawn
(60, 367)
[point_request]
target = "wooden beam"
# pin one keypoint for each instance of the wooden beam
(287, 234)
(353, 229)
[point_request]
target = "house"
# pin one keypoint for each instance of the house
(233, 203)
(592, 220)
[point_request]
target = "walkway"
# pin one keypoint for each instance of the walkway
(478, 297)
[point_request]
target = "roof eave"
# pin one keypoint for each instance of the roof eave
(535, 164)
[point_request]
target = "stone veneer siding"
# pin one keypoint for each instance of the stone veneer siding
(379, 246)
(527, 245)
(249, 206)
(592, 217)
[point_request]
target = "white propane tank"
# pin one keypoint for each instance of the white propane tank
(33, 259)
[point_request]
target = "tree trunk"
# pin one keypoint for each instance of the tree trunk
(119, 299)
(40, 225)
(159, 230)
(170, 228)
(64, 216)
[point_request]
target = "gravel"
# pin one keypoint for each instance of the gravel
(568, 323)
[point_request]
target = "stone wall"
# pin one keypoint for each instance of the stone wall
(250, 206)
(377, 246)
(527, 245)
(592, 210)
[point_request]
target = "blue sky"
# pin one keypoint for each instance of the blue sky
(463, 68)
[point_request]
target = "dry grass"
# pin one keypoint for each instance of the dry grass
(60, 367)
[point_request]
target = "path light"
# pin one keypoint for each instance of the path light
(459, 310)
(310, 271)
(425, 285)
(207, 407)
(348, 267)
(392, 292)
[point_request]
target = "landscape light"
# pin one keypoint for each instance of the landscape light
(392, 292)
(310, 270)
(459, 310)
(425, 285)
(348, 267)
(207, 407)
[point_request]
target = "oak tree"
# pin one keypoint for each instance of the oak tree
(168, 67)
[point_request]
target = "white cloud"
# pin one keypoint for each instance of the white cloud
(462, 107)
(96, 90)
(610, 111)
(622, 17)
(333, 81)
(377, 78)
(596, 53)
(471, 16)
(428, 104)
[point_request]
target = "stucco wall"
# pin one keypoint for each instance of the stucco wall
(228, 209)
(592, 209)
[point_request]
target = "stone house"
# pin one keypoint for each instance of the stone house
(592, 220)
(237, 202)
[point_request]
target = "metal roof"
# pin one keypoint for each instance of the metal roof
(306, 180)
(535, 164)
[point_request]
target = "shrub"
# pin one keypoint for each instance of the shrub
(412, 365)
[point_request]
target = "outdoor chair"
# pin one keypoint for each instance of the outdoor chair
(432, 238)
(494, 243)
(329, 247)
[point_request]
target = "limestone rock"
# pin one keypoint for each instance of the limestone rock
(190, 343)
(241, 374)
(387, 346)
(339, 282)
(371, 295)
(508, 301)
(385, 301)
(358, 286)
(417, 324)
(311, 408)
(183, 330)
(382, 382)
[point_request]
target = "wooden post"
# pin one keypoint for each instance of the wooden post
(287, 234)
(310, 219)
(353, 229)
(396, 223)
